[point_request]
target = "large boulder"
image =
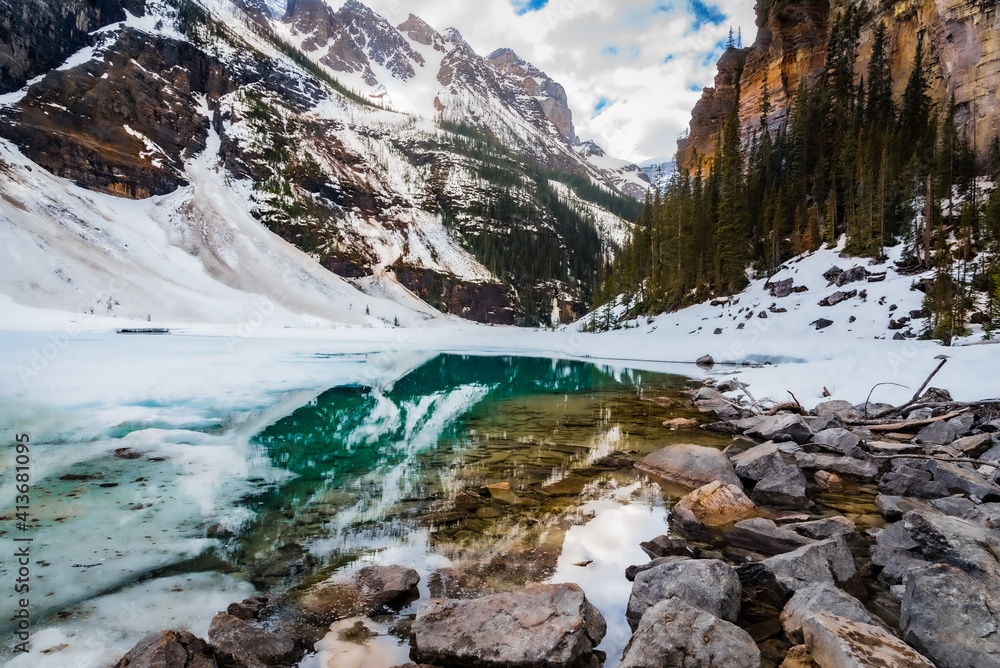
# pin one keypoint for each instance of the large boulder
(786, 487)
(759, 461)
(714, 505)
(822, 597)
(782, 427)
(169, 649)
(691, 465)
(906, 481)
(837, 642)
(827, 560)
(765, 537)
(240, 644)
(360, 594)
(542, 625)
(951, 617)
(824, 528)
(708, 584)
(763, 597)
(958, 479)
(676, 633)
(836, 440)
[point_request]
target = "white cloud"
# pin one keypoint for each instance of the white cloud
(642, 57)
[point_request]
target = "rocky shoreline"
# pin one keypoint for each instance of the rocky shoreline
(763, 570)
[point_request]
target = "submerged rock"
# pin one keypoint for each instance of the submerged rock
(550, 626)
(240, 644)
(708, 584)
(691, 465)
(676, 633)
(363, 593)
(169, 649)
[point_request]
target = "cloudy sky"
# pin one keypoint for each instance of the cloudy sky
(632, 69)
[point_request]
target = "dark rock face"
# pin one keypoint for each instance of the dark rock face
(73, 122)
(169, 649)
(763, 597)
(675, 633)
(481, 302)
(708, 584)
(786, 487)
(38, 35)
(550, 626)
(764, 536)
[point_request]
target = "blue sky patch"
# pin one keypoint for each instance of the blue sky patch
(601, 105)
(669, 57)
(522, 7)
(609, 51)
(705, 12)
(694, 88)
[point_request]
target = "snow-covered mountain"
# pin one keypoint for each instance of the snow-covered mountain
(398, 161)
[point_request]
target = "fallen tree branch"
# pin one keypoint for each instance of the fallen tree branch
(916, 396)
(909, 424)
(941, 458)
(869, 397)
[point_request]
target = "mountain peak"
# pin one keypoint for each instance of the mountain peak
(420, 32)
(452, 36)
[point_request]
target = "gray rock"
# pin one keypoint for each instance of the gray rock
(824, 528)
(837, 642)
(169, 649)
(705, 361)
(665, 546)
(938, 433)
(675, 633)
(707, 394)
(632, 571)
(759, 462)
(708, 584)
(836, 440)
(838, 297)
(910, 482)
(730, 385)
(786, 488)
(842, 465)
(822, 597)
(850, 276)
(892, 508)
(781, 288)
(921, 414)
(241, 644)
(958, 479)
(825, 421)
(765, 537)
(952, 618)
(962, 424)
(828, 560)
(842, 409)
(551, 625)
(691, 465)
(783, 427)
(821, 323)
(974, 446)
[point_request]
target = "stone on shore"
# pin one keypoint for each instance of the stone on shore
(827, 560)
(544, 625)
(822, 597)
(836, 440)
(713, 505)
(786, 488)
(857, 468)
(782, 427)
(691, 465)
(708, 584)
(675, 633)
(837, 642)
(957, 479)
(240, 644)
(764, 536)
(759, 462)
(763, 597)
(169, 649)
(951, 617)
(824, 528)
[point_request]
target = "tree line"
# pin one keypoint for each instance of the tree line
(851, 161)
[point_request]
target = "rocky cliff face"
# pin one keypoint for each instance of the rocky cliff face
(549, 94)
(36, 36)
(961, 39)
